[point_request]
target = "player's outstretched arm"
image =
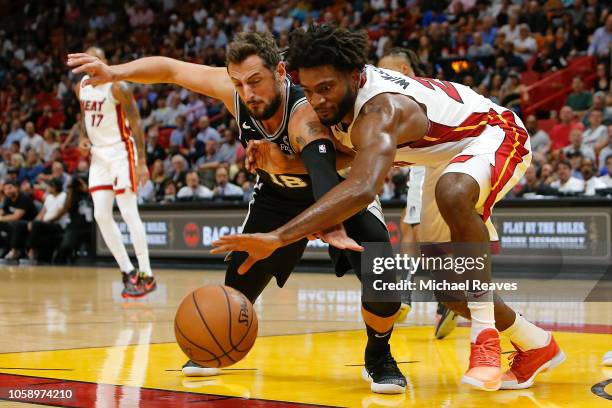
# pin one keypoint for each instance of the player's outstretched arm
(210, 81)
(375, 135)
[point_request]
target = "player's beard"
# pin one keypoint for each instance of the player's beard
(269, 109)
(344, 107)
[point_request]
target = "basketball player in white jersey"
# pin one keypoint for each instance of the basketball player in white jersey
(406, 61)
(475, 152)
(118, 167)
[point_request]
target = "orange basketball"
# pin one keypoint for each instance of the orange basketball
(215, 326)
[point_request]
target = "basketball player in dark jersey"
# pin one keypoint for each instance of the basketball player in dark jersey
(256, 90)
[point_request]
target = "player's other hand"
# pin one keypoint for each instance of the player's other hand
(99, 72)
(84, 146)
(336, 236)
(258, 246)
(142, 173)
(265, 155)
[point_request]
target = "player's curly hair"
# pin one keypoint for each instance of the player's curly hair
(261, 44)
(344, 49)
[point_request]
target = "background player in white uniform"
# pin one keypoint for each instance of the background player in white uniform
(476, 151)
(117, 168)
(406, 61)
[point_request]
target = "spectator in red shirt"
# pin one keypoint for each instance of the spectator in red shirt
(49, 119)
(560, 132)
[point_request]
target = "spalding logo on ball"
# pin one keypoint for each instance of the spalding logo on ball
(215, 326)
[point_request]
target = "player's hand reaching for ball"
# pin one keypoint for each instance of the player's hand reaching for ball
(262, 245)
(99, 72)
(265, 155)
(337, 237)
(258, 246)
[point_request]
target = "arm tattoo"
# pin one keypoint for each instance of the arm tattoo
(316, 128)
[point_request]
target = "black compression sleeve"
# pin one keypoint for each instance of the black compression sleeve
(319, 157)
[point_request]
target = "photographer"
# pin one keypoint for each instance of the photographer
(44, 234)
(79, 207)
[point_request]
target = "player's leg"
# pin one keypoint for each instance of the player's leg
(445, 319)
(457, 198)
(123, 172)
(128, 205)
(379, 315)
(434, 229)
(437, 231)
(481, 179)
(103, 214)
(409, 224)
(101, 182)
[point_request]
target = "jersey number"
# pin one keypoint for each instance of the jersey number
(445, 86)
(96, 118)
(288, 181)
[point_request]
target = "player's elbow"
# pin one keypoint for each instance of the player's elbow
(366, 194)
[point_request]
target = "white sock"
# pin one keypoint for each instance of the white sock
(103, 213)
(526, 335)
(482, 313)
(128, 205)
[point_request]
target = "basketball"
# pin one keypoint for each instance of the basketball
(215, 326)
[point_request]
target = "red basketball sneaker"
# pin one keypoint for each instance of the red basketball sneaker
(485, 362)
(525, 365)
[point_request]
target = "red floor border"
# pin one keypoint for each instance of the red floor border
(86, 394)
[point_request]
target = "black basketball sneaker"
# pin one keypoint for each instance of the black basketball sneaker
(384, 375)
(446, 321)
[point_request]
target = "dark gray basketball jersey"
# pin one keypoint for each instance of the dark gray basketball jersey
(292, 187)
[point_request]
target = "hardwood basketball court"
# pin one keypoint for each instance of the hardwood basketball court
(69, 329)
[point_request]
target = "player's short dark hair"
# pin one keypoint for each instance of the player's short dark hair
(344, 49)
(608, 157)
(409, 56)
(261, 44)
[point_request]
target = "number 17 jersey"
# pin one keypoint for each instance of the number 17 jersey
(102, 115)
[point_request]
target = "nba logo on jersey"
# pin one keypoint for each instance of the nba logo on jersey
(322, 149)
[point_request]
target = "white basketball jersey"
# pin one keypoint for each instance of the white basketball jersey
(103, 116)
(456, 114)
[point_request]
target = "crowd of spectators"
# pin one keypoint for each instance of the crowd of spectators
(191, 141)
